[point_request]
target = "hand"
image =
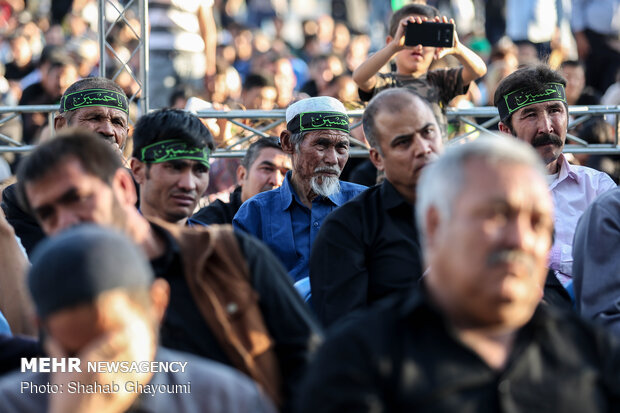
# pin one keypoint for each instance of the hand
(445, 51)
(398, 42)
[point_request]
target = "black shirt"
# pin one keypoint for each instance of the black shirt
(405, 357)
(365, 250)
(25, 225)
(220, 212)
(292, 328)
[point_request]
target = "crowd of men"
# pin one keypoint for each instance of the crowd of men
(470, 276)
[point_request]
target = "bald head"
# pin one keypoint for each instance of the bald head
(391, 101)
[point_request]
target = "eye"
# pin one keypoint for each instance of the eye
(201, 169)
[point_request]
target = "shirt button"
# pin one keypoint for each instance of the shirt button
(504, 387)
(316, 224)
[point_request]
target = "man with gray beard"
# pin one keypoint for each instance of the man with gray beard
(288, 218)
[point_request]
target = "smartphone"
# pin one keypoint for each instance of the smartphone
(429, 34)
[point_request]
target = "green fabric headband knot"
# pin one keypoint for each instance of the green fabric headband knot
(174, 149)
(94, 97)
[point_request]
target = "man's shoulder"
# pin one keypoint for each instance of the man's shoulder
(355, 205)
(350, 189)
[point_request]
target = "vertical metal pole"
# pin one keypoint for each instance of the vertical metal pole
(143, 11)
(102, 30)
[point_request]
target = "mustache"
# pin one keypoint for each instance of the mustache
(511, 256)
(546, 139)
(329, 169)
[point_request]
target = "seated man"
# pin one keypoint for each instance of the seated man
(170, 162)
(596, 266)
(472, 337)
(97, 301)
(94, 103)
(230, 298)
(532, 107)
(263, 168)
(288, 218)
(368, 248)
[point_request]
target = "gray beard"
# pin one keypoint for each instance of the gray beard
(329, 186)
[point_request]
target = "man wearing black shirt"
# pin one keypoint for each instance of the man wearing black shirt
(263, 168)
(230, 299)
(472, 337)
(368, 249)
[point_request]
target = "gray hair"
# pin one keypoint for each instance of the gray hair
(297, 138)
(442, 181)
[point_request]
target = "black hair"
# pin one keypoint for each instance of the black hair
(96, 156)
(254, 150)
(254, 80)
(533, 77)
(410, 10)
(168, 124)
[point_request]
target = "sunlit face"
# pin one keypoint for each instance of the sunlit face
(414, 60)
(488, 260)
(542, 125)
(266, 173)
(409, 140)
(321, 154)
(58, 79)
(67, 195)
(110, 123)
(575, 82)
(171, 190)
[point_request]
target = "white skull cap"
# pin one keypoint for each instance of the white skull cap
(317, 104)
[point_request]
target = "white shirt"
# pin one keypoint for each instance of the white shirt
(574, 189)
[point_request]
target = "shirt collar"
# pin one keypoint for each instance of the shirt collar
(288, 194)
(391, 197)
(566, 171)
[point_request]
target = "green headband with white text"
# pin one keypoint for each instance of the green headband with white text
(94, 97)
(309, 121)
(518, 99)
(174, 149)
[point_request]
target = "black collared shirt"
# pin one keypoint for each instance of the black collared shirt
(365, 251)
(294, 331)
(219, 212)
(405, 357)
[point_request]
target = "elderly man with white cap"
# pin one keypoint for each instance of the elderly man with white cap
(288, 218)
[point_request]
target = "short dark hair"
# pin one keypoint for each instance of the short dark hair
(254, 150)
(167, 124)
(410, 10)
(532, 77)
(572, 63)
(390, 100)
(254, 80)
(96, 156)
(91, 83)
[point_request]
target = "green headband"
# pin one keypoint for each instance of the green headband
(174, 149)
(94, 97)
(514, 101)
(308, 121)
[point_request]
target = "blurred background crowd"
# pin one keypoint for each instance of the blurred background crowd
(272, 52)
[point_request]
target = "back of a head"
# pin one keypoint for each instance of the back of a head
(391, 100)
(410, 10)
(81, 263)
(96, 157)
(167, 124)
(442, 181)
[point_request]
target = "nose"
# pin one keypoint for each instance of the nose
(519, 234)
(545, 124)
(278, 179)
(105, 128)
(187, 181)
(330, 157)
(64, 219)
(422, 147)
